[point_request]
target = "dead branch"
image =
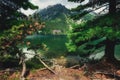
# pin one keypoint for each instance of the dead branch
(22, 77)
(43, 69)
(40, 59)
(75, 66)
(45, 64)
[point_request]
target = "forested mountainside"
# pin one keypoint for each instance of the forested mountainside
(55, 19)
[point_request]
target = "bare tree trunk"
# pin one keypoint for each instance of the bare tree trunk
(22, 77)
(22, 61)
(110, 44)
(110, 50)
(112, 7)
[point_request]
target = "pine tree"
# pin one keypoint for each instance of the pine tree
(105, 28)
(9, 10)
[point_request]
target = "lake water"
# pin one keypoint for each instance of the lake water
(56, 44)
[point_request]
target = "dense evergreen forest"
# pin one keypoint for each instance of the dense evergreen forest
(57, 43)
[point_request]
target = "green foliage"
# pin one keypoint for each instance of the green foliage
(34, 64)
(90, 3)
(9, 11)
(79, 15)
(78, 8)
(54, 18)
(58, 23)
(91, 35)
(8, 62)
(29, 5)
(71, 47)
(11, 39)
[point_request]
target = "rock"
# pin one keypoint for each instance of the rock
(118, 72)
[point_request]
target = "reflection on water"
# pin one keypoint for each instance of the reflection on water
(45, 36)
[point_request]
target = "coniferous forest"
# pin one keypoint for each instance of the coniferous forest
(60, 40)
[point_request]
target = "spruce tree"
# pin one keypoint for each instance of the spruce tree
(104, 30)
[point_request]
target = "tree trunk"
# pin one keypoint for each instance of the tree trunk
(112, 7)
(110, 44)
(22, 77)
(23, 71)
(109, 51)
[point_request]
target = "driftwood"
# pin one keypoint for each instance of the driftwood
(39, 58)
(45, 64)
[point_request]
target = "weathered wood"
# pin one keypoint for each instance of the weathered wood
(22, 77)
(45, 64)
(75, 66)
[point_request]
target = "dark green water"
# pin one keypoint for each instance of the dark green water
(55, 44)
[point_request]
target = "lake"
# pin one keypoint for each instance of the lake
(55, 44)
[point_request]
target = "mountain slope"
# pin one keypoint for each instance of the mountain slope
(54, 18)
(52, 12)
